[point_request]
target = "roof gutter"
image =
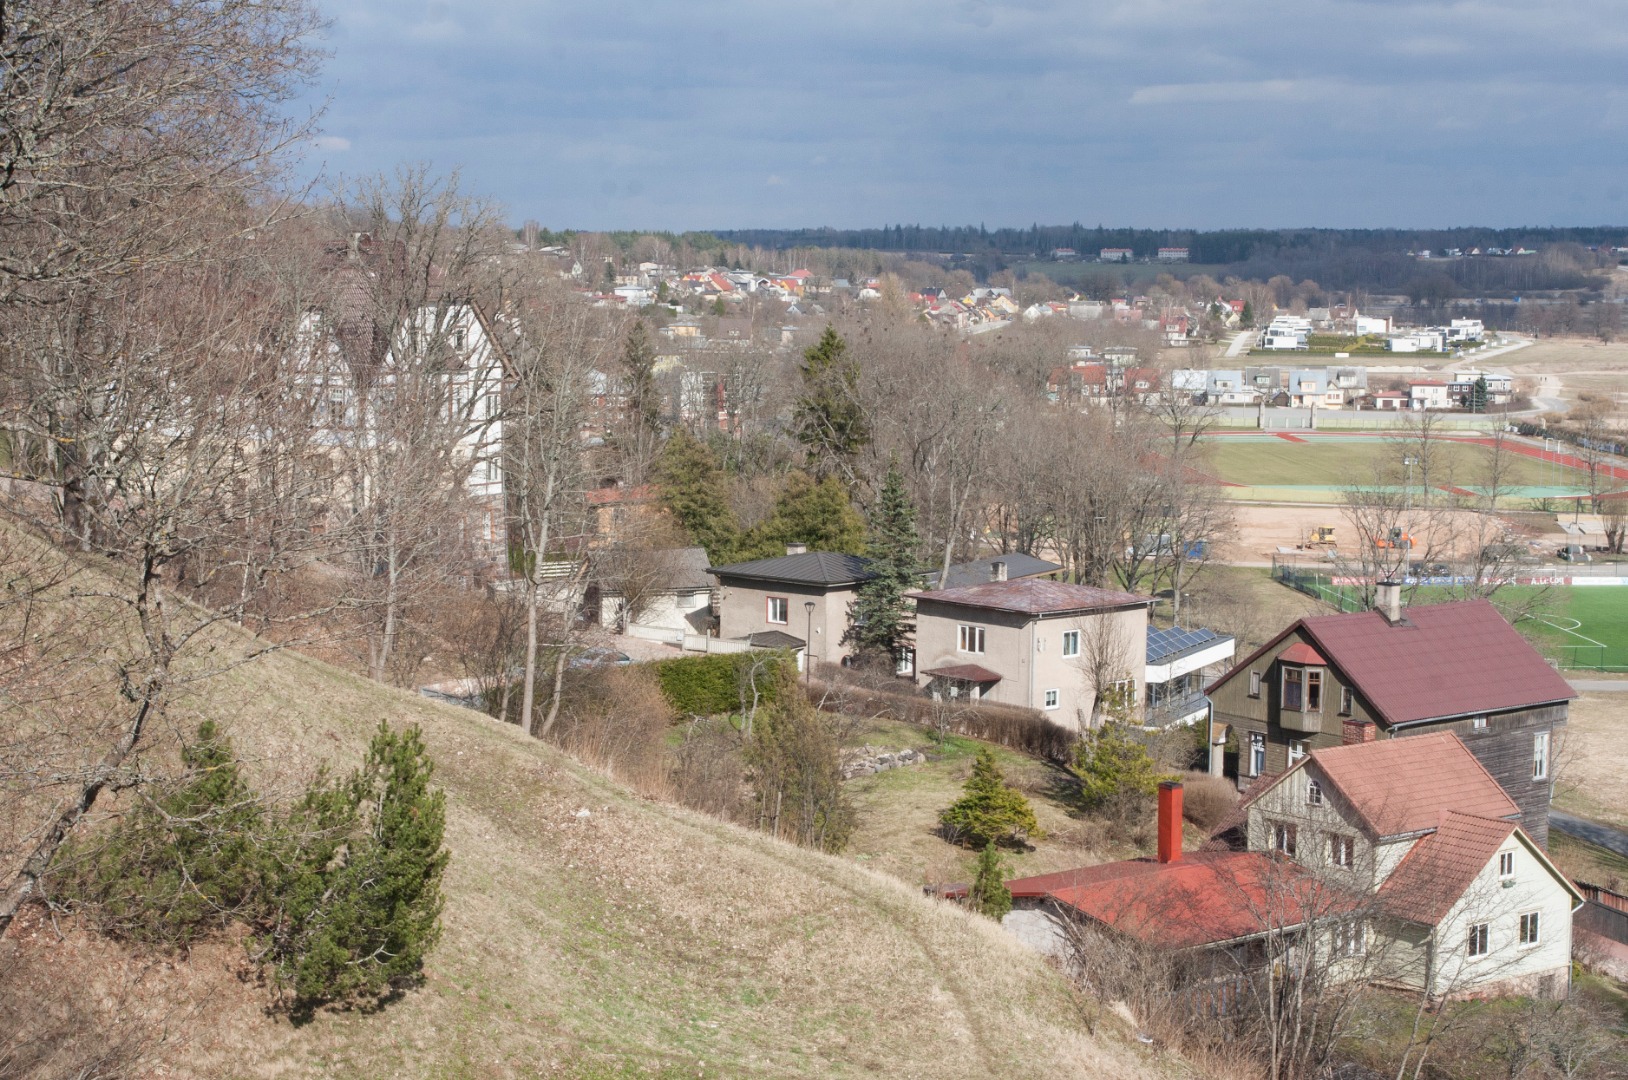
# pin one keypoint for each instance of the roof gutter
(1472, 712)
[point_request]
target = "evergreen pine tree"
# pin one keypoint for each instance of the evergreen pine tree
(880, 619)
(989, 812)
(828, 420)
(1246, 318)
(639, 360)
(694, 492)
(1478, 394)
(816, 514)
(1111, 762)
(989, 894)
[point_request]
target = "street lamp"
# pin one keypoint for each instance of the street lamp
(808, 641)
(1407, 484)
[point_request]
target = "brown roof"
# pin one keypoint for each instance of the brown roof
(1400, 786)
(1203, 898)
(1031, 596)
(1301, 653)
(1435, 872)
(1442, 660)
(966, 672)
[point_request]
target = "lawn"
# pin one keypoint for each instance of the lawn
(1340, 462)
(1589, 780)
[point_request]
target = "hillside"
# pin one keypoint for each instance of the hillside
(636, 939)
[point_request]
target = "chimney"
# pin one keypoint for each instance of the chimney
(997, 570)
(796, 549)
(1169, 822)
(1388, 601)
(1356, 730)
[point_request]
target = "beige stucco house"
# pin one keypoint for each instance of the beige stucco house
(802, 594)
(1072, 651)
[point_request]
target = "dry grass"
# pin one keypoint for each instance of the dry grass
(638, 940)
(1592, 781)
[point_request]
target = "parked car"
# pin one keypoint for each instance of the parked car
(600, 657)
(1574, 553)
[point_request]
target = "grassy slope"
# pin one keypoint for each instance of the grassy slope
(1591, 782)
(640, 939)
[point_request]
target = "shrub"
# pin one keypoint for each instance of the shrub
(989, 812)
(1025, 730)
(989, 894)
(722, 682)
(797, 772)
(1111, 763)
(1207, 800)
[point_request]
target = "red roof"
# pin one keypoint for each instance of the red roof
(608, 495)
(1438, 868)
(1399, 786)
(1442, 660)
(1032, 596)
(965, 672)
(1301, 653)
(1204, 898)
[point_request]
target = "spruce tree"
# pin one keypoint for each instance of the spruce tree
(816, 514)
(989, 812)
(989, 894)
(639, 362)
(881, 619)
(694, 490)
(828, 419)
(1111, 762)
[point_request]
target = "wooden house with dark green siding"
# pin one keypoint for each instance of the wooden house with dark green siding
(1391, 673)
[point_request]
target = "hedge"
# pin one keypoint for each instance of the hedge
(712, 684)
(1024, 730)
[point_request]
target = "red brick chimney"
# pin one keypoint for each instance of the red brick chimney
(1169, 822)
(1354, 730)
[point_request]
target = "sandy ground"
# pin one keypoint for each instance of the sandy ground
(1262, 529)
(1569, 366)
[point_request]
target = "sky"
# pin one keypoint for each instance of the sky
(646, 114)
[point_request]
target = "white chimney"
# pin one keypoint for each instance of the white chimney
(1388, 601)
(796, 549)
(997, 570)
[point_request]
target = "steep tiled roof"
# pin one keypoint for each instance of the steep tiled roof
(1031, 596)
(1403, 785)
(1202, 899)
(809, 568)
(1433, 875)
(1441, 660)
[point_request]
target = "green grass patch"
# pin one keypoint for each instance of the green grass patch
(1338, 463)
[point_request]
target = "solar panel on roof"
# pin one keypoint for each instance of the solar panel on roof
(1169, 641)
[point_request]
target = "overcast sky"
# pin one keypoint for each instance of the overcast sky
(1163, 113)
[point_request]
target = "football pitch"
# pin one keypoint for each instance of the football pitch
(1580, 626)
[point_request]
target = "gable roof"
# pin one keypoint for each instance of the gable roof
(1434, 873)
(1399, 786)
(1032, 596)
(809, 568)
(1203, 898)
(977, 571)
(1442, 660)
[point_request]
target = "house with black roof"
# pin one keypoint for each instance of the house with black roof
(801, 594)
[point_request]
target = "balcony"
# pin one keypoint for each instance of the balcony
(1296, 720)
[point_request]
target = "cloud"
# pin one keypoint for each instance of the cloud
(331, 142)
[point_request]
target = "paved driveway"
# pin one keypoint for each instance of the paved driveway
(1592, 832)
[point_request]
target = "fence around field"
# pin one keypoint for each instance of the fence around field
(1346, 593)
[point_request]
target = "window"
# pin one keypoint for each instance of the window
(1350, 939)
(972, 639)
(1479, 723)
(1314, 793)
(1297, 750)
(1506, 864)
(1314, 691)
(1051, 699)
(1540, 756)
(1257, 753)
(777, 609)
(1529, 928)
(1342, 851)
(1254, 684)
(1478, 939)
(1071, 643)
(1293, 694)
(1347, 700)
(1284, 838)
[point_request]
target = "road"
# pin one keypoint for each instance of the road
(1599, 686)
(1591, 832)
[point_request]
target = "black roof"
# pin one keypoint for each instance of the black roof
(977, 571)
(773, 639)
(1172, 643)
(809, 568)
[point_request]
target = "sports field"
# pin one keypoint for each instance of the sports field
(1581, 626)
(1313, 467)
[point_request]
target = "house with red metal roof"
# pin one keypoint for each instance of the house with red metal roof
(1331, 680)
(1072, 651)
(1457, 898)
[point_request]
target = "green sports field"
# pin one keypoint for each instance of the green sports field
(1581, 626)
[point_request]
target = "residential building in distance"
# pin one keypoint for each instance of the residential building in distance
(1032, 643)
(803, 594)
(1114, 255)
(1396, 673)
(1172, 254)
